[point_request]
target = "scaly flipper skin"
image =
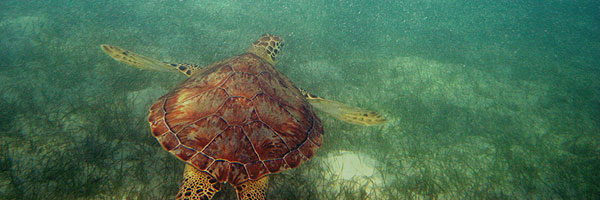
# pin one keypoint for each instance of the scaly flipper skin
(143, 62)
(338, 110)
(201, 185)
(253, 189)
(197, 185)
(344, 112)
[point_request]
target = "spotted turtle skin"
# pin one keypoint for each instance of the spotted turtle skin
(239, 119)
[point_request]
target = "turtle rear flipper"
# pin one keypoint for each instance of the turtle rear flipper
(197, 185)
(143, 62)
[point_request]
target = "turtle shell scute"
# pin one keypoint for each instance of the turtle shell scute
(238, 120)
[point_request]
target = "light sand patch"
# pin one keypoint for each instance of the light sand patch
(353, 171)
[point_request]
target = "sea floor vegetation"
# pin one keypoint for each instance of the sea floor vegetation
(467, 118)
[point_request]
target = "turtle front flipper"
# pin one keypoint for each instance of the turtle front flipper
(343, 111)
(253, 189)
(197, 185)
(143, 62)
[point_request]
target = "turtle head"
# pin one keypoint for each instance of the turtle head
(267, 47)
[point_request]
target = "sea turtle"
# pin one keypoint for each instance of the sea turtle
(238, 120)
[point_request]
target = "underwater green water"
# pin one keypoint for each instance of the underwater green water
(484, 100)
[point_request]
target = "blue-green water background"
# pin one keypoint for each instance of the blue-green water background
(484, 99)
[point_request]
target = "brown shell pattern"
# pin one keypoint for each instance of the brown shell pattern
(239, 119)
